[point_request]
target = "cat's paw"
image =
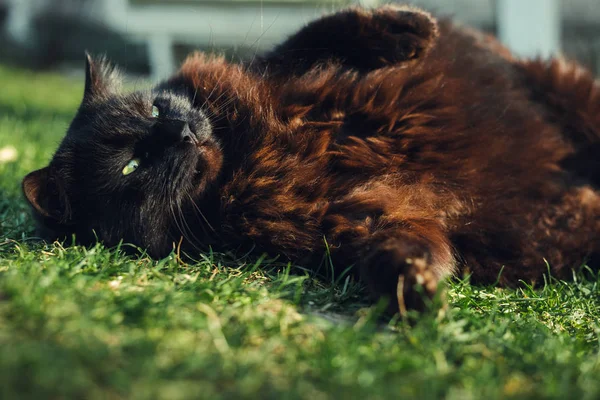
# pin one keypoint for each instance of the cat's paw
(417, 286)
(400, 271)
(402, 33)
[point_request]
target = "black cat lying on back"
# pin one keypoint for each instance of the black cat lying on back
(412, 147)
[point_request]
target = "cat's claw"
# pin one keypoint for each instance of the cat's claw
(400, 271)
(416, 286)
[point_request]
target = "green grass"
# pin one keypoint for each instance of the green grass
(93, 323)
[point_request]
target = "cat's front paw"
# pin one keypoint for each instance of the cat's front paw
(400, 271)
(404, 33)
(417, 286)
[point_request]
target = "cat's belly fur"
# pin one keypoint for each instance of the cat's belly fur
(466, 153)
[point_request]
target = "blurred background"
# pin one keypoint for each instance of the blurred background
(150, 37)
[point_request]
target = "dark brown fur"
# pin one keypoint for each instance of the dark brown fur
(431, 152)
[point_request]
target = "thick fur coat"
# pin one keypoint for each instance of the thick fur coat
(411, 148)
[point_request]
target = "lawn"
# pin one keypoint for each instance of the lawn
(93, 323)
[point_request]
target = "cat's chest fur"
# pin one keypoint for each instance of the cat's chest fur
(321, 159)
(415, 142)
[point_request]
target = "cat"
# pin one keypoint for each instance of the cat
(407, 147)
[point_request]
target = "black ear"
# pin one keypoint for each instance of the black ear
(101, 78)
(42, 192)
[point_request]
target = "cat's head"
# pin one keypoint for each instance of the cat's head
(127, 168)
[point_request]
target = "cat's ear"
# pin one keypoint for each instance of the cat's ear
(101, 78)
(42, 192)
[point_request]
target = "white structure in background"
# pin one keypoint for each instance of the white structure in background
(20, 14)
(256, 24)
(530, 28)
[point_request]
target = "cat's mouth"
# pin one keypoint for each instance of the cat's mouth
(210, 160)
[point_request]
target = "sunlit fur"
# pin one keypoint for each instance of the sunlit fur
(410, 147)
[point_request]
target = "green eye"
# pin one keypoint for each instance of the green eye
(155, 112)
(131, 166)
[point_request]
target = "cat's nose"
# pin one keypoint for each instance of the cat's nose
(186, 134)
(179, 131)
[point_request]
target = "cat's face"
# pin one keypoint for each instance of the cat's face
(129, 168)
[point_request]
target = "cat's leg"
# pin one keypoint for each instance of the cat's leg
(401, 254)
(571, 99)
(570, 94)
(522, 240)
(405, 267)
(358, 38)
